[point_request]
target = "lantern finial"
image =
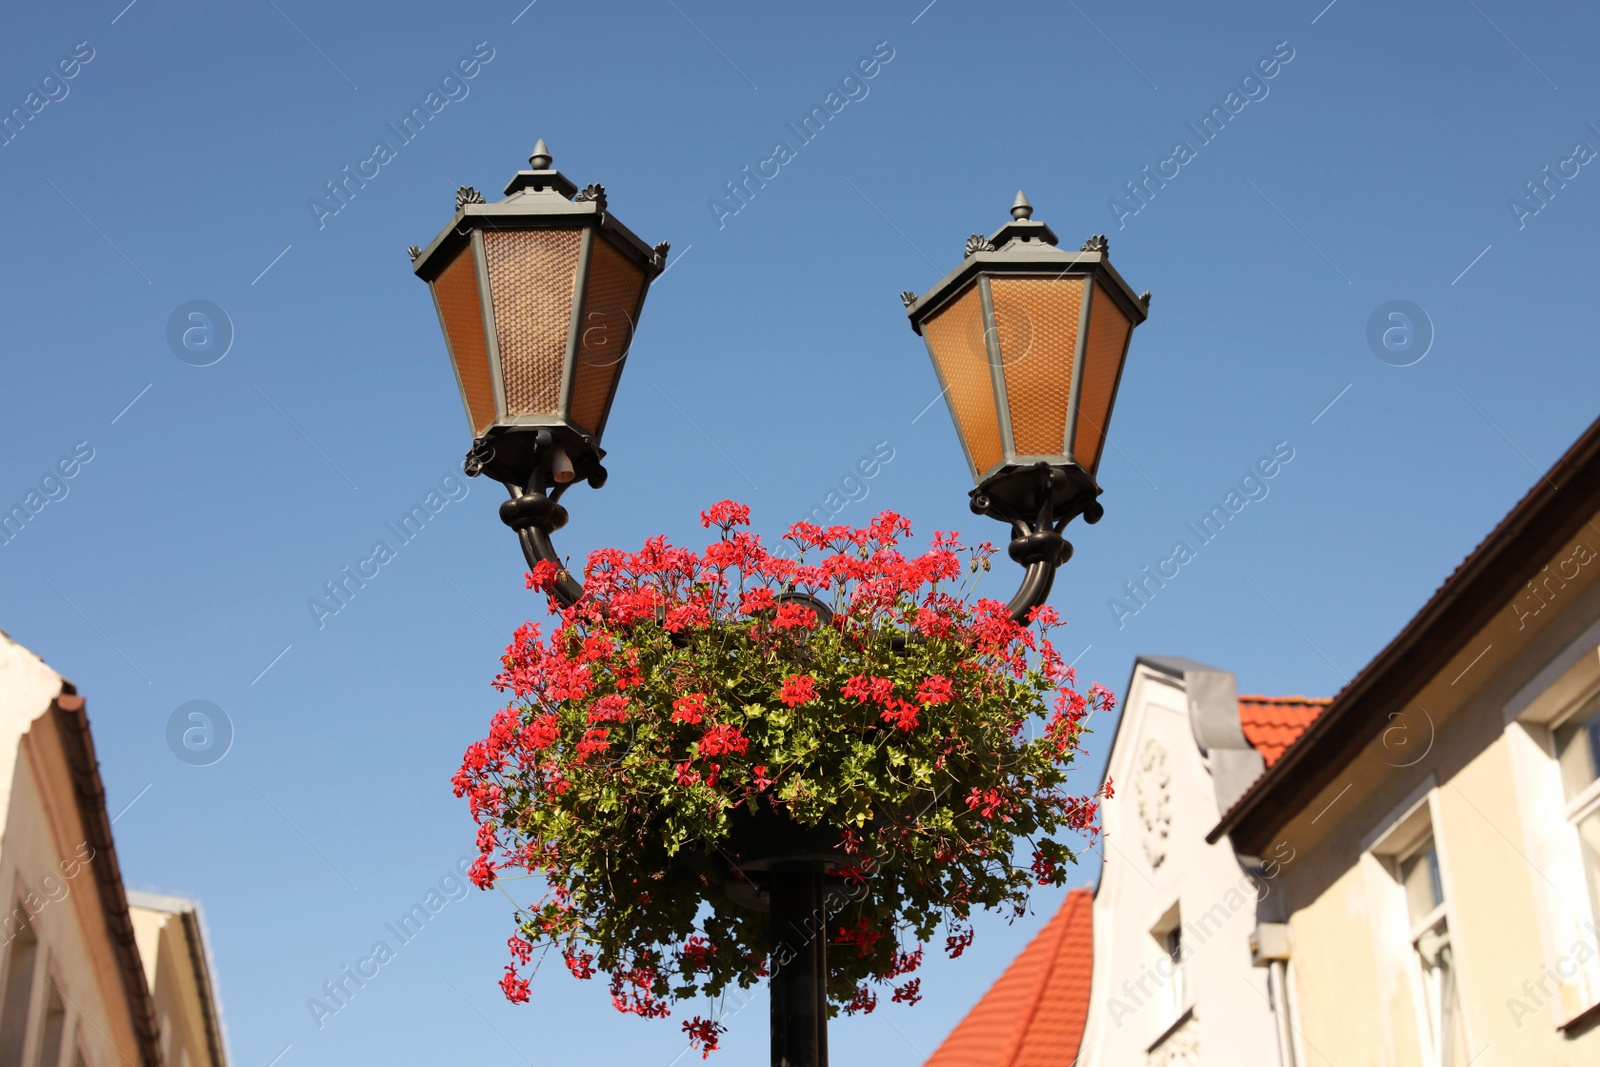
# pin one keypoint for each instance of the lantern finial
(541, 159)
(1020, 208)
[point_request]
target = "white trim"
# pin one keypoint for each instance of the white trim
(1556, 880)
(1577, 706)
(1584, 803)
(1542, 683)
(1461, 939)
(1440, 913)
(1383, 838)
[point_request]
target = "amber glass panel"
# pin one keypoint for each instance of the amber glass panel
(1036, 323)
(609, 302)
(532, 274)
(456, 290)
(1102, 363)
(955, 337)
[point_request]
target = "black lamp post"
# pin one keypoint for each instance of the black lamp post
(539, 295)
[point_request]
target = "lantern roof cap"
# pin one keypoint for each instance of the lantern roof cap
(536, 198)
(1027, 246)
(542, 177)
(1022, 227)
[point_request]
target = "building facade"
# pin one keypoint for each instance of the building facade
(1174, 981)
(1442, 908)
(1406, 875)
(1155, 966)
(83, 975)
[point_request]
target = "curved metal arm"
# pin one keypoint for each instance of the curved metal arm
(536, 548)
(1035, 590)
(535, 516)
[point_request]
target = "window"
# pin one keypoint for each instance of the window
(1430, 939)
(55, 1024)
(1168, 936)
(1577, 743)
(18, 995)
(1172, 947)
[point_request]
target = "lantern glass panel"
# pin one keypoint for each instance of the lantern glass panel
(532, 275)
(461, 310)
(610, 301)
(1036, 323)
(1102, 365)
(955, 336)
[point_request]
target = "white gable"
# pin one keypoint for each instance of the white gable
(1159, 873)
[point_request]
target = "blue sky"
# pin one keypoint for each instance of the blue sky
(177, 164)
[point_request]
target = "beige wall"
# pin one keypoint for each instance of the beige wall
(1465, 753)
(77, 994)
(45, 881)
(167, 929)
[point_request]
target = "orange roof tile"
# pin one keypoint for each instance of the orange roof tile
(1034, 1014)
(1272, 724)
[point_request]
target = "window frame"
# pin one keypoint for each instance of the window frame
(1567, 903)
(1587, 800)
(1411, 827)
(52, 983)
(1431, 1006)
(33, 1005)
(1178, 996)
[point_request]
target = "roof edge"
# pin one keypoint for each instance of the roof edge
(1546, 517)
(73, 723)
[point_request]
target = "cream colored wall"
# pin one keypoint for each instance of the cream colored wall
(180, 1007)
(42, 870)
(1352, 975)
(74, 951)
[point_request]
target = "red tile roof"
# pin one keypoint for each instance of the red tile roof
(1272, 724)
(1034, 1014)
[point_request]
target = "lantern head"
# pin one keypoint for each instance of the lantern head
(538, 295)
(1028, 342)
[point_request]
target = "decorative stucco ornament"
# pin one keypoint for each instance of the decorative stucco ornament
(1154, 791)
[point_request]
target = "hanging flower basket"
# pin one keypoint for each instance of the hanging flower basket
(697, 719)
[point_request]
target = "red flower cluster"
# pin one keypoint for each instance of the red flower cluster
(688, 693)
(703, 1034)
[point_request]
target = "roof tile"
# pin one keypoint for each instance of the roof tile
(1034, 1014)
(1272, 724)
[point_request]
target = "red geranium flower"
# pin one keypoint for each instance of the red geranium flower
(798, 689)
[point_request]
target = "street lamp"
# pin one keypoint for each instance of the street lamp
(538, 296)
(1028, 342)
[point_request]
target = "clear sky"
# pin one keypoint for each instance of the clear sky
(178, 163)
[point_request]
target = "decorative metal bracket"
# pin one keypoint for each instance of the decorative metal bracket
(525, 459)
(1038, 500)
